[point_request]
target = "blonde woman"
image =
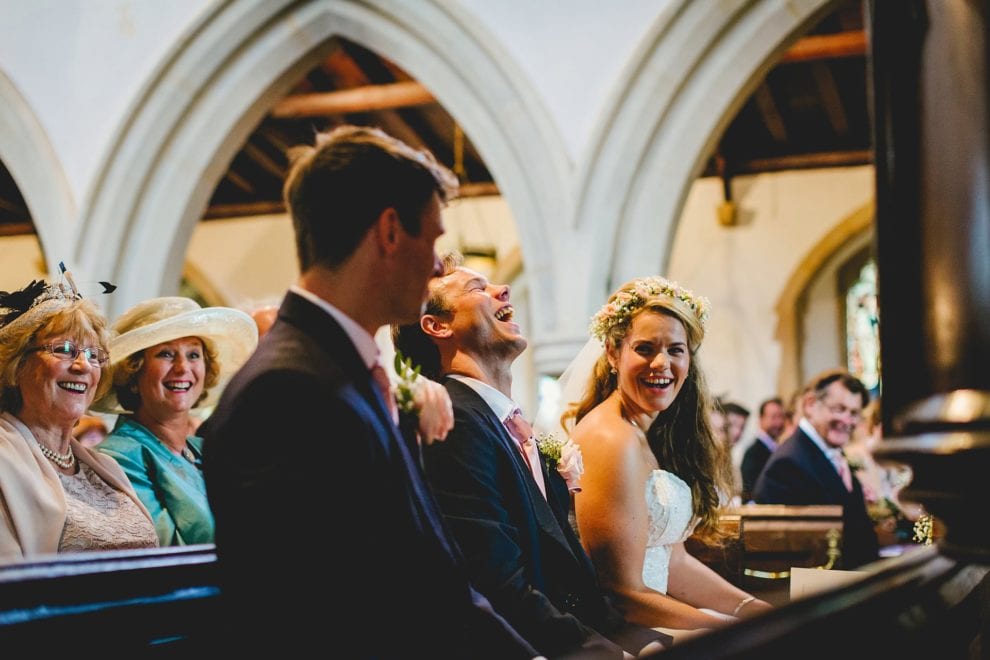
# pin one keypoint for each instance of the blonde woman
(654, 469)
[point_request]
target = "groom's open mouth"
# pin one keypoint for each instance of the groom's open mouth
(505, 314)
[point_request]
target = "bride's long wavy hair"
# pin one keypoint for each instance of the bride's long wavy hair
(681, 437)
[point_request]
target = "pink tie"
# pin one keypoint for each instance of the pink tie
(842, 465)
(385, 387)
(520, 429)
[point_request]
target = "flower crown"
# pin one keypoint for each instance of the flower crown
(626, 301)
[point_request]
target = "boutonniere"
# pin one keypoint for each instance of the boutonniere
(563, 455)
(428, 401)
(405, 388)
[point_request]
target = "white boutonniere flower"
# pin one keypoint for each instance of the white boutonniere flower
(563, 455)
(427, 400)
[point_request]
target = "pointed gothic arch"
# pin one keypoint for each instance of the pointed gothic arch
(28, 155)
(220, 79)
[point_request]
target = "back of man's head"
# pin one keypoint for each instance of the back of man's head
(411, 341)
(337, 189)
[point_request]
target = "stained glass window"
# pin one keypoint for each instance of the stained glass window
(862, 331)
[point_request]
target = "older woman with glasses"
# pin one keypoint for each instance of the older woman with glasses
(169, 356)
(55, 494)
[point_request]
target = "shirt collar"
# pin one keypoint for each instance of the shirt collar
(500, 404)
(765, 438)
(810, 431)
(363, 342)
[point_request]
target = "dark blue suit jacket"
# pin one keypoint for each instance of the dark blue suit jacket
(317, 500)
(521, 550)
(799, 473)
(754, 459)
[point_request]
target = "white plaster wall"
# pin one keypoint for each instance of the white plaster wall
(743, 269)
(245, 259)
(20, 261)
(80, 63)
(550, 43)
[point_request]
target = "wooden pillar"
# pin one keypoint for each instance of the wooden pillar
(931, 117)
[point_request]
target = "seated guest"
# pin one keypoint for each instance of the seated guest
(771, 422)
(736, 416)
(810, 468)
(655, 471)
(169, 354)
(304, 444)
(507, 508)
(55, 494)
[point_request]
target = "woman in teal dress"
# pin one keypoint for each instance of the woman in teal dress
(169, 355)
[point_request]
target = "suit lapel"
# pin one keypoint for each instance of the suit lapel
(464, 396)
(326, 333)
(823, 468)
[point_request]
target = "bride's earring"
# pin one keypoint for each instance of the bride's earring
(614, 371)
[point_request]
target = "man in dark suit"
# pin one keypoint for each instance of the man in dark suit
(303, 445)
(809, 467)
(771, 426)
(508, 511)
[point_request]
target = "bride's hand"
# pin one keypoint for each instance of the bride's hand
(436, 415)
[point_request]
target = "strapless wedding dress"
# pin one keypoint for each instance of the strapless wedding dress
(668, 501)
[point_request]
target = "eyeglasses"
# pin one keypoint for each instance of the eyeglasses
(838, 409)
(67, 350)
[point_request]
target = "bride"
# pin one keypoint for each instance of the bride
(653, 468)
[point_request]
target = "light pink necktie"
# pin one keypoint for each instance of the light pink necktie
(842, 465)
(520, 429)
(385, 387)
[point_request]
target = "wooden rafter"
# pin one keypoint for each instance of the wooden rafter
(827, 47)
(772, 118)
(349, 101)
(831, 100)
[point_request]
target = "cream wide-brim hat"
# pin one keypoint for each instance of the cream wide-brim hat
(229, 333)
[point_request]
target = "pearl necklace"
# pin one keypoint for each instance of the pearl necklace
(188, 455)
(64, 461)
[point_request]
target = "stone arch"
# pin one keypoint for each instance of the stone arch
(789, 306)
(220, 79)
(692, 72)
(30, 158)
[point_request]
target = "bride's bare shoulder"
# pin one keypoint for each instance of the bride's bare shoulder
(604, 431)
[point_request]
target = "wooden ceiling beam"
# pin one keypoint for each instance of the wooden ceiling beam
(772, 118)
(249, 209)
(16, 228)
(804, 161)
(266, 162)
(831, 100)
(827, 47)
(348, 101)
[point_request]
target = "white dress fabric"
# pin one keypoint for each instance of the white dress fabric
(672, 520)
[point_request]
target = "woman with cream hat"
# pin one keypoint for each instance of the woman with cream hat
(169, 355)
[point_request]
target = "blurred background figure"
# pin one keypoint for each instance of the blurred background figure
(169, 356)
(882, 483)
(57, 495)
(264, 317)
(735, 421)
(90, 431)
(772, 421)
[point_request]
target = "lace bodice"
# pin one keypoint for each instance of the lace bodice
(668, 501)
(99, 517)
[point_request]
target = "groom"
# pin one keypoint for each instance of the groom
(506, 509)
(328, 539)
